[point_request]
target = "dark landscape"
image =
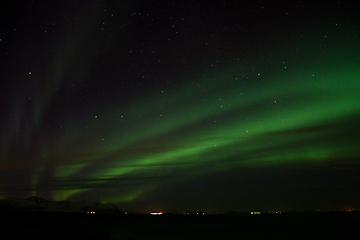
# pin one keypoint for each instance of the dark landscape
(330, 225)
(45, 224)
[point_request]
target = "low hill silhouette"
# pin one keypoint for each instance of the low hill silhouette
(37, 204)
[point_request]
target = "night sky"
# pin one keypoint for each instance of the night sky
(182, 105)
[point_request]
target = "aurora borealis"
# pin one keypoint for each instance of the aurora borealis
(176, 105)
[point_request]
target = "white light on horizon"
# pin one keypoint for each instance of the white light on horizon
(156, 213)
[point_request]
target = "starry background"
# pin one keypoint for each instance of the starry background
(182, 105)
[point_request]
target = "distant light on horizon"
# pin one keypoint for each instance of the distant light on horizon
(255, 212)
(156, 213)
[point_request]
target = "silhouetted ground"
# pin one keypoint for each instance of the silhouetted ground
(340, 225)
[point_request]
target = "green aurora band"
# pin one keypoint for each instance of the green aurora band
(297, 116)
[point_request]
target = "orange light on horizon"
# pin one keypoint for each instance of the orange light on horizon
(350, 210)
(156, 213)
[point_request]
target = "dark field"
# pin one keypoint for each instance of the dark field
(341, 225)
